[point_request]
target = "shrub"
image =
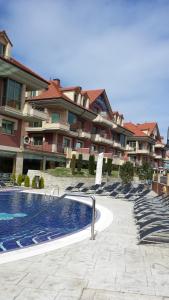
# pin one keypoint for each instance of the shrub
(73, 164)
(79, 163)
(104, 168)
(126, 172)
(19, 179)
(41, 183)
(109, 166)
(27, 181)
(91, 165)
(13, 177)
(34, 183)
(145, 172)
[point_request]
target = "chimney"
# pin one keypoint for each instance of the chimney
(57, 81)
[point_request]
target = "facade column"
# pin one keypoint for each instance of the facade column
(19, 163)
(44, 164)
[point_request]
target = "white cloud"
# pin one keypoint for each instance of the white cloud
(121, 46)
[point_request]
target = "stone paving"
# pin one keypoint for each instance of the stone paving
(113, 267)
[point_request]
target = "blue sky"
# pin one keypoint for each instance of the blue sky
(122, 46)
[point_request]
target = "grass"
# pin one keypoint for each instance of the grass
(66, 172)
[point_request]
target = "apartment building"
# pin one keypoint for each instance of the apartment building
(146, 144)
(78, 122)
(15, 80)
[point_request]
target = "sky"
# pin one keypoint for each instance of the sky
(119, 45)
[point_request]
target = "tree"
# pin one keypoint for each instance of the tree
(109, 166)
(79, 163)
(127, 172)
(41, 183)
(91, 165)
(19, 179)
(73, 164)
(27, 181)
(104, 168)
(145, 172)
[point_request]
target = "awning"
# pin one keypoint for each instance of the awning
(7, 154)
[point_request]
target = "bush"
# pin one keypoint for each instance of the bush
(27, 181)
(79, 163)
(41, 183)
(104, 168)
(145, 172)
(73, 164)
(91, 165)
(109, 166)
(126, 172)
(34, 183)
(19, 179)
(13, 177)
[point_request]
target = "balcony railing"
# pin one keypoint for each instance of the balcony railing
(29, 111)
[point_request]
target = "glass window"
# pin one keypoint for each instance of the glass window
(12, 95)
(35, 124)
(2, 49)
(79, 144)
(66, 142)
(8, 127)
(38, 140)
(55, 117)
(72, 118)
(122, 140)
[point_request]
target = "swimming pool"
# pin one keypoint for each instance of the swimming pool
(29, 219)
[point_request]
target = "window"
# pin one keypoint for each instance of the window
(75, 98)
(66, 143)
(2, 49)
(72, 118)
(12, 95)
(79, 144)
(38, 140)
(35, 124)
(8, 127)
(122, 140)
(55, 117)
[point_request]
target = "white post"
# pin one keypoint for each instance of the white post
(98, 178)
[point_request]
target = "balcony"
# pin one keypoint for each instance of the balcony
(99, 139)
(39, 148)
(118, 161)
(158, 156)
(117, 144)
(33, 114)
(103, 121)
(142, 151)
(130, 149)
(84, 134)
(159, 145)
(60, 126)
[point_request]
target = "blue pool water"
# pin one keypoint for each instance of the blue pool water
(29, 219)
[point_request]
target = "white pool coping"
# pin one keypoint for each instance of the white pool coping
(105, 219)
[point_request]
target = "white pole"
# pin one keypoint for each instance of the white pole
(98, 178)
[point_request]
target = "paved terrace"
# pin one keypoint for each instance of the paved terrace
(113, 267)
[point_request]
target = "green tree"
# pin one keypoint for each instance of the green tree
(19, 179)
(79, 163)
(73, 164)
(34, 183)
(27, 181)
(145, 172)
(109, 166)
(127, 172)
(91, 165)
(41, 183)
(104, 168)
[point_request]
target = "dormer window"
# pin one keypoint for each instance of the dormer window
(75, 98)
(2, 49)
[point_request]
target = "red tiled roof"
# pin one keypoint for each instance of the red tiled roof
(71, 88)
(147, 126)
(22, 67)
(134, 128)
(93, 94)
(53, 91)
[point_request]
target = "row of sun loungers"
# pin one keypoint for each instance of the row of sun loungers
(115, 190)
(152, 219)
